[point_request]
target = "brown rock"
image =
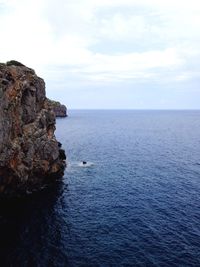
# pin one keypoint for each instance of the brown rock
(59, 109)
(30, 155)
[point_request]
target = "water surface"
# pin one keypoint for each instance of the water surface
(136, 204)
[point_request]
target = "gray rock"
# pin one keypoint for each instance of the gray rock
(30, 155)
(59, 109)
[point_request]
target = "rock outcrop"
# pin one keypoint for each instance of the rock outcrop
(30, 155)
(59, 109)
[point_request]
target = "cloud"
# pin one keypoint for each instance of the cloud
(131, 65)
(103, 41)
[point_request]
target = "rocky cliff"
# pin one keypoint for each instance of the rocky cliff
(30, 155)
(59, 109)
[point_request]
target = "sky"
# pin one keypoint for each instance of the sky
(108, 54)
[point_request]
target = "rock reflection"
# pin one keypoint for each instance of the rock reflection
(30, 229)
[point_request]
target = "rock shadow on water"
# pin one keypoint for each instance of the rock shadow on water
(31, 229)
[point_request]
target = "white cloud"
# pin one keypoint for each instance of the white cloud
(132, 65)
(64, 33)
(120, 26)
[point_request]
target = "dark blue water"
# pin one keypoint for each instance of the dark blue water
(136, 204)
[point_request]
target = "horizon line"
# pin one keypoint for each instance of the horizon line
(139, 109)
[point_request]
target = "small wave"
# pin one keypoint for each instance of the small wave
(88, 164)
(197, 163)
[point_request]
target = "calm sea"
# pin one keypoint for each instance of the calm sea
(136, 202)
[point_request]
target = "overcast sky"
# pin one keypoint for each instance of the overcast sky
(142, 54)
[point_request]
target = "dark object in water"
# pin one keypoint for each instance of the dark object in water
(59, 144)
(84, 162)
(62, 153)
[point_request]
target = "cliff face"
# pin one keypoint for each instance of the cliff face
(59, 109)
(30, 155)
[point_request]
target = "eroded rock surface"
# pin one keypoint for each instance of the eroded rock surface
(30, 155)
(59, 109)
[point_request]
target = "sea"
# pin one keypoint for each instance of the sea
(135, 203)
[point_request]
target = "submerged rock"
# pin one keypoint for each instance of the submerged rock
(30, 155)
(59, 109)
